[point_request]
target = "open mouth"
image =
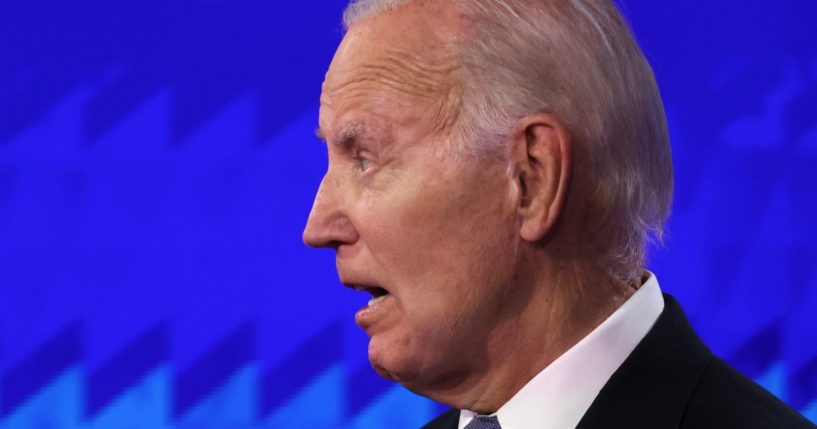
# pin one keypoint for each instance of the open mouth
(378, 294)
(374, 309)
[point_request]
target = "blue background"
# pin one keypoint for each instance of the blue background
(157, 165)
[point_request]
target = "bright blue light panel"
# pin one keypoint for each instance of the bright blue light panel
(157, 164)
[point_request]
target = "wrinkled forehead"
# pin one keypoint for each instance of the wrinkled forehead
(407, 54)
(425, 28)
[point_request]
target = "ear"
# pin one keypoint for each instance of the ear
(542, 171)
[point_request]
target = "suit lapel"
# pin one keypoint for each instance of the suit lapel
(652, 387)
(448, 420)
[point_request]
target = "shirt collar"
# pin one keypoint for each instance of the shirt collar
(560, 394)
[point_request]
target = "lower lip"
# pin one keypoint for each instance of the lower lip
(367, 315)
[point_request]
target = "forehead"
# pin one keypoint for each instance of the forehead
(398, 60)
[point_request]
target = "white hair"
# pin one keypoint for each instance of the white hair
(359, 10)
(577, 60)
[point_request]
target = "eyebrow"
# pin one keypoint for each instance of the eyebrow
(348, 136)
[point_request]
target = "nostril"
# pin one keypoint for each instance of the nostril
(335, 244)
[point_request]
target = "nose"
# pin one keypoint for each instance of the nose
(328, 224)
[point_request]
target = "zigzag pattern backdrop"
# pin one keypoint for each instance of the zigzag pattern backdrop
(157, 165)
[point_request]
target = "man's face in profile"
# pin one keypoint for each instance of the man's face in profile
(429, 234)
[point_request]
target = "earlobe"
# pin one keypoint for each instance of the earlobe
(542, 154)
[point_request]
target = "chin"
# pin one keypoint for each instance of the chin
(393, 362)
(408, 375)
(414, 368)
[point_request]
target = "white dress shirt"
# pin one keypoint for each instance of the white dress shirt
(558, 397)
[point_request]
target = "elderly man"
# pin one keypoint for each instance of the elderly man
(497, 169)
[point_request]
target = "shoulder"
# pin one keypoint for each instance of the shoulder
(447, 420)
(724, 398)
(672, 380)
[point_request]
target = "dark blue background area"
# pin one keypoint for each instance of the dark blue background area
(157, 164)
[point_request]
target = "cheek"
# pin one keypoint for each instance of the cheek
(446, 253)
(443, 247)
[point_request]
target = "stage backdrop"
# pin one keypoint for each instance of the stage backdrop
(158, 162)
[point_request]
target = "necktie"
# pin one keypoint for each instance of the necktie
(484, 422)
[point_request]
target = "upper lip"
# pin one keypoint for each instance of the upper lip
(374, 290)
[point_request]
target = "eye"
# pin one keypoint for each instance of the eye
(362, 161)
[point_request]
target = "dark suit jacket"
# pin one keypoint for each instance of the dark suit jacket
(672, 380)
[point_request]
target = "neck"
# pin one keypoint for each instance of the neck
(564, 304)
